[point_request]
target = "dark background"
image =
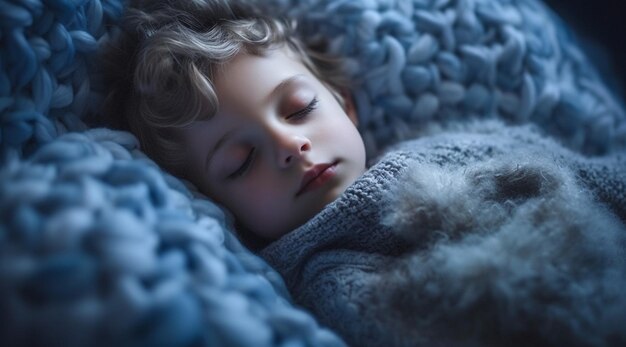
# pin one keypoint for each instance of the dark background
(601, 26)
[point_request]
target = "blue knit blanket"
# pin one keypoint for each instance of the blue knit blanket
(494, 237)
(98, 247)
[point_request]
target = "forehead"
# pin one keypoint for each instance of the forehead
(250, 78)
(252, 81)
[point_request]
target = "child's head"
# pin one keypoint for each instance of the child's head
(232, 101)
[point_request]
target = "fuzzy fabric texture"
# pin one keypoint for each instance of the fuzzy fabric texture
(467, 238)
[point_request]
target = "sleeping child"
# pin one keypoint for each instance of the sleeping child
(471, 234)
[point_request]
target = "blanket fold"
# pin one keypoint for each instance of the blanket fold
(469, 237)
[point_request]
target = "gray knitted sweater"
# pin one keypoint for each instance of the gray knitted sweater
(469, 238)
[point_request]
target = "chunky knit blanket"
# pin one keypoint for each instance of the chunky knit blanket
(464, 238)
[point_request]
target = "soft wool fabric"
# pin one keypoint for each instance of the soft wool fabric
(467, 238)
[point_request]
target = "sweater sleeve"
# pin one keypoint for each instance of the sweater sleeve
(339, 290)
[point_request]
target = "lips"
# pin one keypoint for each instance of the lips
(316, 176)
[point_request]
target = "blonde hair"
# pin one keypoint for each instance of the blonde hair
(160, 68)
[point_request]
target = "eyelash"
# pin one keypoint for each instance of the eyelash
(305, 111)
(250, 157)
(244, 167)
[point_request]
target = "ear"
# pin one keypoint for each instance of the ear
(349, 106)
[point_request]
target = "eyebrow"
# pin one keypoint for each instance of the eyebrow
(278, 89)
(217, 146)
(283, 85)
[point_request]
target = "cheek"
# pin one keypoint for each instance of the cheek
(343, 131)
(260, 197)
(263, 214)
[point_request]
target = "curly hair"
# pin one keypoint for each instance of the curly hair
(159, 68)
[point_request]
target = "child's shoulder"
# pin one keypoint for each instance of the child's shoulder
(470, 141)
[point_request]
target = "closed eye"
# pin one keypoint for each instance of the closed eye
(245, 166)
(305, 111)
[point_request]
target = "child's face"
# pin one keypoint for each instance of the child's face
(279, 149)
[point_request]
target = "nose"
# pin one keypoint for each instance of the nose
(290, 147)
